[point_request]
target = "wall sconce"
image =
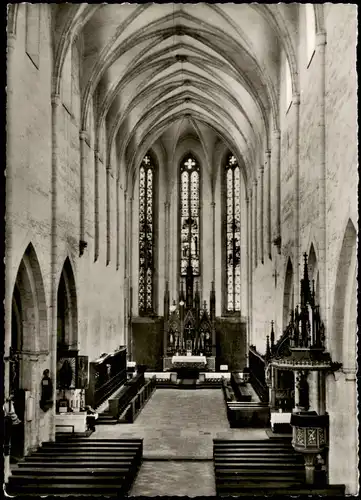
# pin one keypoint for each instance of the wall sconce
(82, 246)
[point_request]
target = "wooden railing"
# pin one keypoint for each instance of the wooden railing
(118, 404)
(257, 374)
(139, 400)
(105, 375)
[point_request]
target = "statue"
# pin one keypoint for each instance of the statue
(303, 388)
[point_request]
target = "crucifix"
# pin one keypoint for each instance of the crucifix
(275, 275)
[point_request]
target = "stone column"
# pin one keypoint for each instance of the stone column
(268, 201)
(108, 237)
(273, 388)
(310, 467)
(55, 102)
(10, 150)
(262, 215)
(297, 375)
(166, 239)
(213, 205)
(276, 167)
(296, 106)
(250, 262)
(322, 215)
(118, 223)
(126, 271)
(255, 212)
(130, 283)
(96, 205)
(82, 138)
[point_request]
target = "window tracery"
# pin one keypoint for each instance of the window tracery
(233, 235)
(146, 236)
(189, 216)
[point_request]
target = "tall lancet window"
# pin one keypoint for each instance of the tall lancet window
(189, 214)
(233, 235)
(146, 236)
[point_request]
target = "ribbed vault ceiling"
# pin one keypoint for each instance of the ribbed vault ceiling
(206, 70)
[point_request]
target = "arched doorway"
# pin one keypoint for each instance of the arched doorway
(29, 335)
(288, 298)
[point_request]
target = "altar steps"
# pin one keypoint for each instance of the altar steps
(78, 466)
(189, 384)
(262, 467)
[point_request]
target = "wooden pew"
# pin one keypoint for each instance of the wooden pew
(118, 404)
(248, 413)
(136, 405)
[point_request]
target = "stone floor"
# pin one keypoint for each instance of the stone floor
(179, 425)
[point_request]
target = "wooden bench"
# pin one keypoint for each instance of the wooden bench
(135, 406)
(248, 413)
(118, 404)
(240, 388)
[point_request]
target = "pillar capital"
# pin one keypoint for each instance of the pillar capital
(83, 135)
(55, 100)
(261, 169)
(255, 182)
(321, 38)
(213, 204)
(276, 134)
(10, 42)
(296, 99)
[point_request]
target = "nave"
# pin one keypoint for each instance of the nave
(181, 201)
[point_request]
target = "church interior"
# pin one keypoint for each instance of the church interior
(181, 249)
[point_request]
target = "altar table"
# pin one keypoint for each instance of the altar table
(189, 361)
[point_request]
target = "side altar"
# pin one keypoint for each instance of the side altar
(189, 329)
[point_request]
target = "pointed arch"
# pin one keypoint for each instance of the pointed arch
(288, 294)
(344, 306)
(29, 318)
(67, 314)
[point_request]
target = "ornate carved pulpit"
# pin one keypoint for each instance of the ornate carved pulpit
(300, 351)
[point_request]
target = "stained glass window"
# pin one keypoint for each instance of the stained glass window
(146, 235)
(233, 235)
(189, 216)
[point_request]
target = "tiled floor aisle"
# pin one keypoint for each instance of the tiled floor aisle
(179, 424)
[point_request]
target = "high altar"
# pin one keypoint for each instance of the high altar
(189, 330)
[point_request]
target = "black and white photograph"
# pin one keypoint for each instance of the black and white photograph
(181, 250)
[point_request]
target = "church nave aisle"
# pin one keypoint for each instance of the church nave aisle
(178, 428)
